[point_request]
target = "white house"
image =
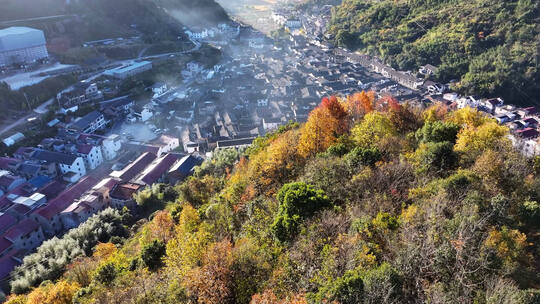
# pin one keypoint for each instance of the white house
(27, 234)
(493, 103)
(146, 114)
(167, 143)
(89, 123)
(235, 143)
(271, 123)
(428, 69)
(71, 166)
(293, 23)
(129, 70)
(159, 88)
(111, 146)
(262, 102)
(197, 34)
(22, 44)
(92, 155)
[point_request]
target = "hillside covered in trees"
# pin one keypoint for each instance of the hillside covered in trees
(489, 46)
(369, 201)
(101, 19)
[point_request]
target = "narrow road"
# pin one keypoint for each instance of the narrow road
(15, 124)
(43, 108)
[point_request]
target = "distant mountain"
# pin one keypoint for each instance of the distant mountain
(193, 13)
(489, 46)
(100, 19)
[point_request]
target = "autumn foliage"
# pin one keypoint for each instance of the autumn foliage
(369, 201)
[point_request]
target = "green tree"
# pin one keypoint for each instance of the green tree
(152, 253)
(438, 131)
(105, 273)
(363, 157)
(436, 157)
(296, 201)
(348, 289)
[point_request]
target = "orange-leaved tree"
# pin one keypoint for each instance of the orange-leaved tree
(269, 297)
(213, 281)
(337, 110)
(318, 133)
(359, 104)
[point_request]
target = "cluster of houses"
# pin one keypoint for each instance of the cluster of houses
(60, 183)
(523, 122)
(222, 31)
(255, 90)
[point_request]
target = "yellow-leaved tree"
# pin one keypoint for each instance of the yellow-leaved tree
(468, 117)
(60, 293)
(186, 249)
(372, 129)
(472, 140)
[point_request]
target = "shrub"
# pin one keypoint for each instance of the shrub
(296, 200)
(105, 273)
(152, 253)
(338, 149)
(529, 212)
(382, 282)
(363, 156)
(348, 289)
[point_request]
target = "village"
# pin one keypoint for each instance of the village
(122, 145)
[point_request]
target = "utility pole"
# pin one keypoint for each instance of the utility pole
(27, 102)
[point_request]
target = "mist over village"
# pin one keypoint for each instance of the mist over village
(269, 151)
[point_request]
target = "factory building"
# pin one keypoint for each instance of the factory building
(22, 45)
(129, 70)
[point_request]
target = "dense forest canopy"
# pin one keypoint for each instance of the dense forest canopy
(369, 201)
(490, 46)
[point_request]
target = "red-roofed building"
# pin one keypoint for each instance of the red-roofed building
(49, 215)
(8, 262)
(25, 189)
(525, 112)
(528, 133)
(6, 222)
(135, 168)
(19, 211)
(5, 203)
(122, 194)
(27, 234)
(52, 189)
(24, 153)
(75, 214)
(9, 182)
(104, 188)
(8, 163)
(530, 122)
(157, 171)
(5, 246)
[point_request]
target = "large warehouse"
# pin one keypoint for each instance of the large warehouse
(21, 45)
